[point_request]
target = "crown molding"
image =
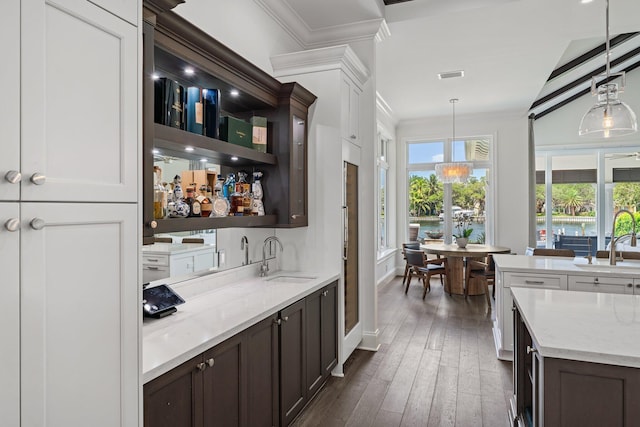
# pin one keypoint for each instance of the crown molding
(297, 28)
(384, 32)
(384, 109)
(340, 57)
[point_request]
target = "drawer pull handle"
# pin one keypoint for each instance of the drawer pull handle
(38, 178)
(531, 350)
(211, 362)
(152, 268)
(12, 224)
(201, 366)
(13, 177)
(534, 282)
(152, 259)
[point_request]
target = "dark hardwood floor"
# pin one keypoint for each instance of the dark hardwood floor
(436, 367)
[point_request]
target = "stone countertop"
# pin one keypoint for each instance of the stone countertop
(174, 248)
(563, 265)
(585, 326)
(214, 312)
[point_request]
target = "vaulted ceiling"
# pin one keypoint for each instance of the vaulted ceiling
(508, 49)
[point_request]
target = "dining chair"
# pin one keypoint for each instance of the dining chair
(424, 268)
(485, 272)
(405, 246)
(192, 240)
(554, 252)
(162, 240)
(622, 254)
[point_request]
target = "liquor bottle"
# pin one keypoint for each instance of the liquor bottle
(244, 189)
(195, 207)
(178, 208)
(229, 186)
(205, 201)
(257, 207)
(159, 207)
(220, 205)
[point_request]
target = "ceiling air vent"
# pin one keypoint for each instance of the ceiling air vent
(450, 74)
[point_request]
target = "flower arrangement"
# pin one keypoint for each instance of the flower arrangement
(464, 227)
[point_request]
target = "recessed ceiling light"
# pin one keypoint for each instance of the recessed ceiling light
(234, 92)
(203, 160)
(155, 151)
(188, 148)
(154, 76)
(450, 74)
(189, 71)
(234, 158)
(585, 1)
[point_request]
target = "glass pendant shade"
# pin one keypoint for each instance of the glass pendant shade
(610, 117)
(455, 172)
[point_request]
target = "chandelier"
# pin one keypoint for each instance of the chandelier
(609, 117)
(452, 172)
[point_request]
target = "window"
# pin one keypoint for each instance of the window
(427, 195)
(578, 193)
(383, 185)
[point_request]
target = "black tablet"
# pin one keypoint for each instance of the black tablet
(159, 300)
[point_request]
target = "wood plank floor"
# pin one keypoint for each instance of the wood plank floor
(436, 367)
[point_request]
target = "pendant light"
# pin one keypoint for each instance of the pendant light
(609, 117)
(456, 171)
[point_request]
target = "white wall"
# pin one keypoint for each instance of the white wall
(510, 132)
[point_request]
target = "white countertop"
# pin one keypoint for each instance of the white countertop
(585, 326)
(562, 265)
(216, 312)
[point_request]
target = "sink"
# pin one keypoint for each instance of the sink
(621, 265)
(290, 279)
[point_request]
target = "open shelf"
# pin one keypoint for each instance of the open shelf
(188, 224)
(172, 141)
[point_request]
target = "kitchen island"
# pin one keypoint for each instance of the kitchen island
(242, 350)
(540, 272)
(577, 358)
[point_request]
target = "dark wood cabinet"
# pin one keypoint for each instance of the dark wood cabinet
(562, 392)
(321, 336)
(292, 361)
(170, 43)
(263, 373)
(260, 377)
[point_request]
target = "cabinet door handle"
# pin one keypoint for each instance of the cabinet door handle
(201, 366)
(38, 178)
(153, 224)
(285, 318)
(325, 293)
(596, 281)
(13, 177)
(353, 136)
(531, 350)
(278, 322)
(637, 286)
(12, 224)
(37, 223)
(211, 362)
(294, 216)
(534, 282)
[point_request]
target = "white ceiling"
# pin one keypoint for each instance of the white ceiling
(507, 48)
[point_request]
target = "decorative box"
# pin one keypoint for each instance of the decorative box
(236, 131)
(259, 140)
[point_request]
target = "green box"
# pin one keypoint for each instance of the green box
(236, 131)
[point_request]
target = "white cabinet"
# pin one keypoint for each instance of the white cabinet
(70, 286)
(350, 103)
(9, 111)
(79, 102)
(9, 315)
(610, 285)
(79, 314)
(503, 326)
(174, 260)
(125, 9)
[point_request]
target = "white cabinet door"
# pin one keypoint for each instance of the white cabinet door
(125, 9)
(609, 285)
(79, 103)
(350, 109)
(10, 105)
(9, 318)
(80, 314)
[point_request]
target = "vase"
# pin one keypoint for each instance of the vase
(462, 242)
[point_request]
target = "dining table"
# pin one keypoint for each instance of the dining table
(456, 257)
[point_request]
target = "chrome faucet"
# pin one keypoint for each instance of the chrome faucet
(244, 245)
(614, 240)
(264, 267)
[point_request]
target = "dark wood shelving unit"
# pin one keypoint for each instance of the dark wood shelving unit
(188, 224)
(173, 141)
